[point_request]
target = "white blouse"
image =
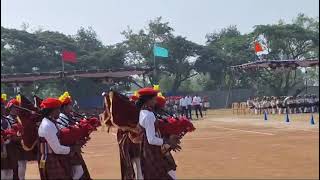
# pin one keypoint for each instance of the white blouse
(48, 130)
(147, 120)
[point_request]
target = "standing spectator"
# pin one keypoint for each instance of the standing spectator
(189, 106)
(196, 101)
(206, 104)
(175, 109)
(183, 106)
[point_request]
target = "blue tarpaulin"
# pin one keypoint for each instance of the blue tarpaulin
(90, 102)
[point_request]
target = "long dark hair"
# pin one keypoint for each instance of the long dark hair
(62, 108)
(143, 99)
(46, 112)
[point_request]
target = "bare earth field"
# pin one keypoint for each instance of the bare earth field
(226, 146)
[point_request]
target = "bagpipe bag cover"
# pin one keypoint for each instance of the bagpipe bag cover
(123, 112)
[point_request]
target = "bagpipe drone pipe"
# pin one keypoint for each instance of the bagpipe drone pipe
(124, 114)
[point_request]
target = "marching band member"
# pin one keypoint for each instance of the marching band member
(129, 153)
(54, 162)
(129, 156)
(20, 154)
(279, 105)
(153, 164)
(273, 104)
(79, 167)
(161, 103)
(6, 160)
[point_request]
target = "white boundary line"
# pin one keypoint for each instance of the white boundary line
(232, 129)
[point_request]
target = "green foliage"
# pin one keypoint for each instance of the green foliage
(224, 49)
(189, 67)
(299, 40)
(23, 52)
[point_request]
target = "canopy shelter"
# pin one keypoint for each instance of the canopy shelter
(274, 64)
(25, 78)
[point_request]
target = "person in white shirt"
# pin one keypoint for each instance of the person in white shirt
(79, 167)
(196, 102)
(6, 162)
(189, 106)
(183, 106)
(20, 152)
(154, 166)
(55, 159)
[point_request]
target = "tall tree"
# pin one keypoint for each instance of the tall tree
(180, 63)
(140, 44)
(298, 40)
(224, 49)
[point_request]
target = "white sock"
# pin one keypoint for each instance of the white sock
(172, 173)
(77, 171)
(137, 168)
(22, 167)
(6, 173)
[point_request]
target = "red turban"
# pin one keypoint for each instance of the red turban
(148, 91)
(12, 102)
(50, 103)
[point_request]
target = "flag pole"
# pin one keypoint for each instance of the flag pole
(154, 62)
(154, 59)
(62, 61)
(63, 80)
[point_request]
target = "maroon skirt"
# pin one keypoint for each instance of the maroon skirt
(77, 159)
(128, 150)
(9, 161)
(153, 162)
(56, 167)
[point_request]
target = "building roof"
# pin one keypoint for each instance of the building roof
(97, 73)
(273, 64)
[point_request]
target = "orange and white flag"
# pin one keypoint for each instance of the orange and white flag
(260, 45)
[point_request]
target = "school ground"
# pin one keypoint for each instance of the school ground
(225, 145)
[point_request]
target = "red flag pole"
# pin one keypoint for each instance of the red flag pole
(62, 65)
(63, 81)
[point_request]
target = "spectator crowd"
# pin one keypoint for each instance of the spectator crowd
(184, 106)
(308, 103)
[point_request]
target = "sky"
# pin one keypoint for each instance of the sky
(189, 18)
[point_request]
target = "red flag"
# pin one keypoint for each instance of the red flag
(69, 56)
(257, 47)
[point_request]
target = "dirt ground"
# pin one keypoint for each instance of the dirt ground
(225, 146)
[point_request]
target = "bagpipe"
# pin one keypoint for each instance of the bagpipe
(74, 131)
(78, 133)
(122, 113)
(14, 131)
(29, 116)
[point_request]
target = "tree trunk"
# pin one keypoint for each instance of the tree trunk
(176, 84)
